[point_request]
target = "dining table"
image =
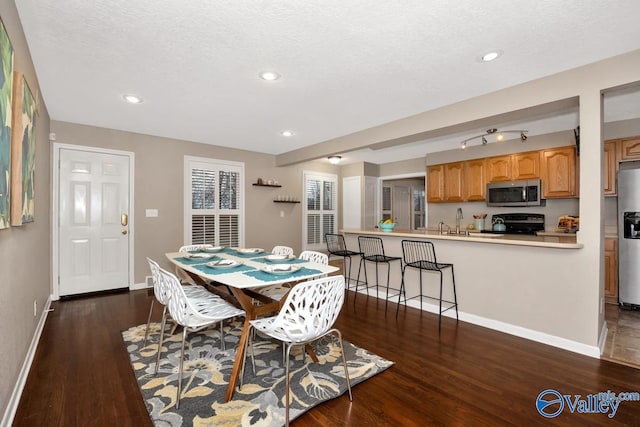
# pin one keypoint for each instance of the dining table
(242, 271)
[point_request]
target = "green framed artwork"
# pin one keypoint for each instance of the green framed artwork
(6, 90)
(23, 152)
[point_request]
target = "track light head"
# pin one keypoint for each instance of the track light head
(464, 144)
(523, 137)
(484, 140)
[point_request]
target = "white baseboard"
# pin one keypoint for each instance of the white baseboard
(14, 400)
(530, 334)
(603, 337)
(138, 286)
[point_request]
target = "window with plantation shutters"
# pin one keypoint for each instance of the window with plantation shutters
(214, 211)
(320, 209)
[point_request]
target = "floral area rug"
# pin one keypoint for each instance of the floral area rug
(260, 400)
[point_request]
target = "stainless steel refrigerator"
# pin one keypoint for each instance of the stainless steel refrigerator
(629, 234)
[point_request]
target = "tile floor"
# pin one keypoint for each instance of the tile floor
(623, 338)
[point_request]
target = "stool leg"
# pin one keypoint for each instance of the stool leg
(386, 300)
(377, 281)
(455, 298)
(347, 271)
(402, 269)
(440, 311)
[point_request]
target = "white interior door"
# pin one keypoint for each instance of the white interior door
(94, 223)
(402, 206)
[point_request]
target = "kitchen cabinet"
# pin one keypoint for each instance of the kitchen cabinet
(630, 148)
(558, 173)
(611, 270)
(498, 168)
(610, 168)
(513, 167)
(474, 180)
(525, 165)
(435, 183)
(453, 182)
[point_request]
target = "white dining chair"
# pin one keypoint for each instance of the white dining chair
(308, 314)
(160, 295)
(193, 314)
(282, 250)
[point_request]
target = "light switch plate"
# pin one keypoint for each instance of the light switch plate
(152, 213)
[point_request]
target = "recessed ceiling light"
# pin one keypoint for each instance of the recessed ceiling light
(286, 133)
(269, 76)
(491, 56)
(132, 99)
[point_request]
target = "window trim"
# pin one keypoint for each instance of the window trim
(306, 174)
(216, 164)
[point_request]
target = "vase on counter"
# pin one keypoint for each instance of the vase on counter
(479, 224)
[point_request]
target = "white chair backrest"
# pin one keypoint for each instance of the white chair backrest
(189, 248)
(178, 304)
(282, 250)
(314, 256)
(160, 291)
(311, 308)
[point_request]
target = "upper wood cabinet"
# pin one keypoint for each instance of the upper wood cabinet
(513, 167)
(435, 183)
(610, 168)
(453, 182)
(474, 180)
(558, 173)
(498, 168)
(526, 165)
(630, 148)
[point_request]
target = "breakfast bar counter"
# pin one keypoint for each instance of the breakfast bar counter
(519, 284)
(556, 240)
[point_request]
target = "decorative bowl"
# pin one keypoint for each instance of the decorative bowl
(387, 227)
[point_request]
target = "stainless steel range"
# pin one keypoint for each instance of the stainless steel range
(518, 223)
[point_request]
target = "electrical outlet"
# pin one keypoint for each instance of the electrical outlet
(149, 281)
(35, 308)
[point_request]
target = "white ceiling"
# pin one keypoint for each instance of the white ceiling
(346, 65)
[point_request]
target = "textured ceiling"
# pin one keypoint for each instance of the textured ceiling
(345, 65)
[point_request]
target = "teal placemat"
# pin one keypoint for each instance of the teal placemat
(192, 261)
(210, 270)
(266, 277)
(284, 261)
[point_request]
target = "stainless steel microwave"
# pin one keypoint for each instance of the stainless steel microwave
(515, 193)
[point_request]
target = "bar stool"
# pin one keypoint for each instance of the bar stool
(372, 250)
(421, 255)
(337, 246)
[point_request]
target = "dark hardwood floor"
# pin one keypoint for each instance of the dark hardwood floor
(467, 376)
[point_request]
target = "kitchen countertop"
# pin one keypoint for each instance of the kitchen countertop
(559, 242)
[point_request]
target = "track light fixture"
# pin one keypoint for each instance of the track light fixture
(499, 137)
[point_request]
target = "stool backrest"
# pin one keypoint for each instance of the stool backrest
(335, 243)
(415, 251)
(370, 246)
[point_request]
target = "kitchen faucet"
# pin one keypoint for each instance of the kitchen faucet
(458, 218)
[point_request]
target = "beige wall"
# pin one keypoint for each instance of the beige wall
(24, 250)
(159, 172)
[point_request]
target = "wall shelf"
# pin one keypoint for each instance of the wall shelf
(267, 185)
(286, 201)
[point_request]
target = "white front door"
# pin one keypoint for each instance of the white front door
(94, 223)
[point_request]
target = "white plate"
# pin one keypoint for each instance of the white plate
(281, 268)
(224, 263)
(249, 250)
(198, 255)
(277, 258)
(214, 249)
